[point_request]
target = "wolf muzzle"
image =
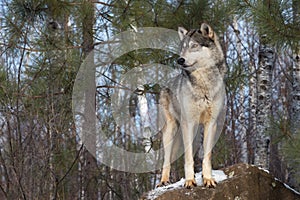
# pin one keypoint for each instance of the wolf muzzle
(181, 62)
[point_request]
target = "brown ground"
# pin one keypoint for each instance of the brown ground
(245, 182)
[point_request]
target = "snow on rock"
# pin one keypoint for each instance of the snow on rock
(286, 185)
(243, 181)
(218, 175)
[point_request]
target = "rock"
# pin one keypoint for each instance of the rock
(245, 182)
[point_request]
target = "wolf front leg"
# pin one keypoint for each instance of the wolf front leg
(208, 142)
(187, 129)
(168, 134)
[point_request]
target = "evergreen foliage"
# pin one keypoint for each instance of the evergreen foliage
(43, 43)
(275, 19)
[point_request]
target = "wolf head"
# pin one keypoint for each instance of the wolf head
(200, 48)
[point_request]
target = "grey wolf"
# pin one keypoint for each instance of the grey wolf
(194, 97)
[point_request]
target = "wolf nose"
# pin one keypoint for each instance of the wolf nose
(180, 61)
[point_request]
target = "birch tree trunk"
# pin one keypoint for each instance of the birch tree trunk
(252, 107)
(295, 114)
(266, 62)
(264, 94)
(295, 111)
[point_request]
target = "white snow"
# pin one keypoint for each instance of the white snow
(262, 169)
(218, 175)
(288, 187)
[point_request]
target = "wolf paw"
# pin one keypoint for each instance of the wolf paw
(190, 183)
(163, 183)
(209, 182)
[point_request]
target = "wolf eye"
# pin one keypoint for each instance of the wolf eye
(193, 46)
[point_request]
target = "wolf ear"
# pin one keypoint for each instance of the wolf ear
(181, 32)
(207, 31)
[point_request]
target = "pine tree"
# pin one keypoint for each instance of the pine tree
(37, 39)
(43, 44)
(277, 22)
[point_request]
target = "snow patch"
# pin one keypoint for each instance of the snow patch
(262, 169)
(218, 175)
(287, 186)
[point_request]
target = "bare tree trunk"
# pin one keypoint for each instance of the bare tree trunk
(242, 129)
(264, 94)
(89, 164)
(294, 101)
(295, 110)
(252, 101)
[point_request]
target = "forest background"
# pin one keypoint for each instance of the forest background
(43, 44)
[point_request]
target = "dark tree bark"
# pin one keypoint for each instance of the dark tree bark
(89, 163)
